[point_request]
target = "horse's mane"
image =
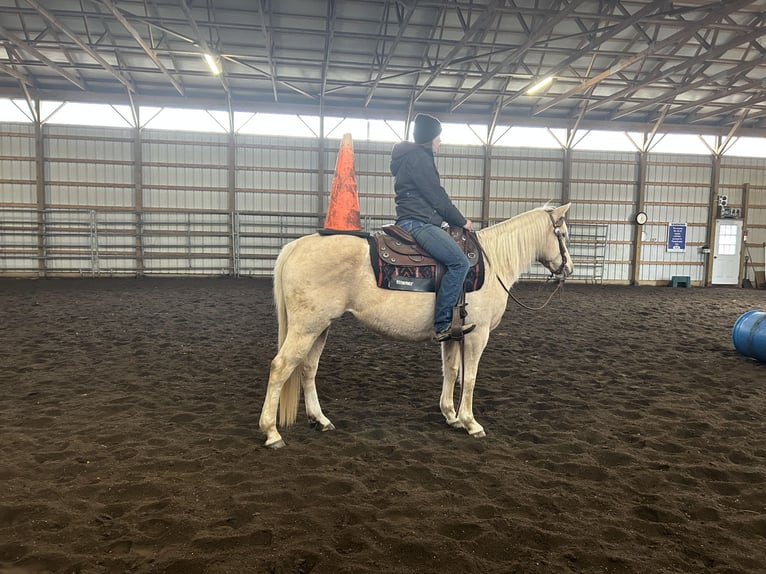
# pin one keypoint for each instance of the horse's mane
(513, 244)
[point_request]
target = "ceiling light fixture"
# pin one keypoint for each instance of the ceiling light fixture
(212, 62)
(544, 83)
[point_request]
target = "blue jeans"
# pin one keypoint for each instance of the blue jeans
(443, 248)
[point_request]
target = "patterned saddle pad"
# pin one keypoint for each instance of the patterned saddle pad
(401, 264)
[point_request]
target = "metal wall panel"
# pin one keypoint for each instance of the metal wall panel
(277, 174)
(462, 175)
(18, 199)
(186, 224)
(375, 183)
(17, 164)
(603, 192)
(88, 167)
(735, 173)
(522, 179)
(277, 197)
(677, 191)
(185, 170)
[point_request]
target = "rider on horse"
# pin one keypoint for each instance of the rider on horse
(422, 205)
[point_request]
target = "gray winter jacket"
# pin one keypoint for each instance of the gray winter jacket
(419, 194)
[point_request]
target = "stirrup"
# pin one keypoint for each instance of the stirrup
(457, 331)
(454, 333)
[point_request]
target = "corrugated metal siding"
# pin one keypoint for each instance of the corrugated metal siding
(374, 181)
(18, 199)
(603, 191)
(88, 167)
(184, 171)
(677, 191)
(522, 179)
(461, 169)
(89, 196)
(17, 164)
(186, 200)
(277, 197)
(735, 172)
(187, 225)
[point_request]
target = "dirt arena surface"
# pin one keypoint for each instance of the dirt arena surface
(625, 434)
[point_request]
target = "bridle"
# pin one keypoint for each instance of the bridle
(562, 248)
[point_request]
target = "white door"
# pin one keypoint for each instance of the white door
(728, 242)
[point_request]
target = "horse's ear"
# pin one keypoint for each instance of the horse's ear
(561, 211)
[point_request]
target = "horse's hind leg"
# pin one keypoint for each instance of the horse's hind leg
(283, 367)
(308, 380)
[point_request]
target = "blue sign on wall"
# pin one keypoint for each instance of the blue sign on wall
(676, 237)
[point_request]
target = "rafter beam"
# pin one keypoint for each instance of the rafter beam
(137, 37)
(534, 37)
(606, 35)
(329, 32)
(723, 93)
(756, 98)
(14, 73)
(82, 45)
(122, 64)
(479, 26)
(150, 7)
(21, 45)
(723, 9)
(405, 20)
(706, 56)
(744, 67)
(265, 14)
(202, 42)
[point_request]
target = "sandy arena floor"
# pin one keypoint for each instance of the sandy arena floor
(625, 434)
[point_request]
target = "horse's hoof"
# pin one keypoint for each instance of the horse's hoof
(323, 428)
(456, 424)
(480, 434)
(276, 444)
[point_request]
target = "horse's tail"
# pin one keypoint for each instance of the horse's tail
(291, 390)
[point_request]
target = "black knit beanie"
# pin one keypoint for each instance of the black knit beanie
(426, 128)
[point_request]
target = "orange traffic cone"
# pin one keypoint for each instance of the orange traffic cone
(343, 209)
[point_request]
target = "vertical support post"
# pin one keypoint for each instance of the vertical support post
(321, 167)
(42, 253)
(566, 175)
(231, 191)
(231, 188)
(138, 198)
(94, 268)
(745, 206)
(715, 183)
(638, 229)
(486, 185)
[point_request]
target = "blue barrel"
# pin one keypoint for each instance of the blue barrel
(749, 335)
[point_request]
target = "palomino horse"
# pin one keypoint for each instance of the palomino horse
(310, 293)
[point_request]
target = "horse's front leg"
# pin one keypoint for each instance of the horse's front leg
(451, 356)
(450, 371)
(308, 380)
